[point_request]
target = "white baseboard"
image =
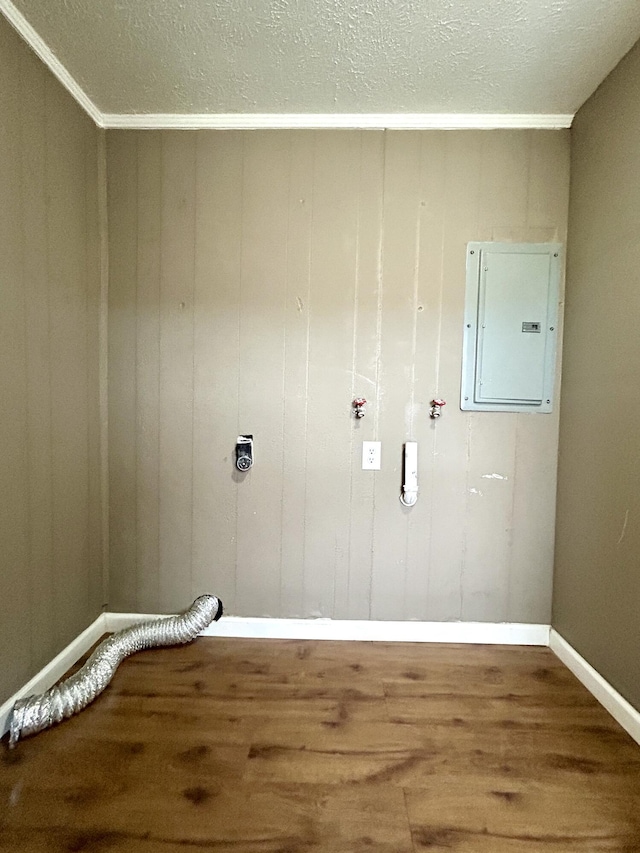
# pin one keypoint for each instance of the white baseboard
(55, 669)
(507, 633)
(621, 710)
(266, 628)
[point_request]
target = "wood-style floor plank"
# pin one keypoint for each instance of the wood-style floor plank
(247, 746)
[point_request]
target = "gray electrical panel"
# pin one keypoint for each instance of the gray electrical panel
(510, 326)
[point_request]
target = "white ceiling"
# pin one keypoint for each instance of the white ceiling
(334, 56)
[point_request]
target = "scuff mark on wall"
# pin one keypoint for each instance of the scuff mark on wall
(624, 528)
(360, 378)
(14, 797)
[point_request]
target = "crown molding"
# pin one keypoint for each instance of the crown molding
(44, 52)
(355, 121)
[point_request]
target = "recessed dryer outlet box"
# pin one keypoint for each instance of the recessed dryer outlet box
(244, 452)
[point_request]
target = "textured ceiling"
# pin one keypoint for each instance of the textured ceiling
(336, 56)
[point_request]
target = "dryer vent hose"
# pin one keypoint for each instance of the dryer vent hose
(35, 713)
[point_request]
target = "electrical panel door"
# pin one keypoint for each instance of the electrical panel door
(510, 332)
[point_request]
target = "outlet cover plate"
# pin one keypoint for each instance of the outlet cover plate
(371, 453)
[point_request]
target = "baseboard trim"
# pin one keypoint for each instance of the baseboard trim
(265, 628)
(55, 669)
(382, 631)
(619, 708)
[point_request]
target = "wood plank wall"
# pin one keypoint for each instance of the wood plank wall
(51, 508)
(259, 282)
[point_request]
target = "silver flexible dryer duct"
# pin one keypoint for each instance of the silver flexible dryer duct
(35, 713)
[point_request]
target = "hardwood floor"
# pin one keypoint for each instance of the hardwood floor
(269, 746)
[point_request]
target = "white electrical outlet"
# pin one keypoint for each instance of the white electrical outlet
(371, 452)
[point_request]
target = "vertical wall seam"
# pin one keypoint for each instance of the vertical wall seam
(158, 177)
(514, 485)
(52, 502)
(306, 374)
(527, 208)
(137, 418)
(437, 389)
(414, 329)
(87, 344)
(469, 438)
(467, 502)
(378, 354)
(414, 351)
(28, 437)
(136, 443)
(103, 361)
(440, 293)
(159, 395)
(194, 294)
(239, 322)
(47, 294)
(284, 363)
(354, 350)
